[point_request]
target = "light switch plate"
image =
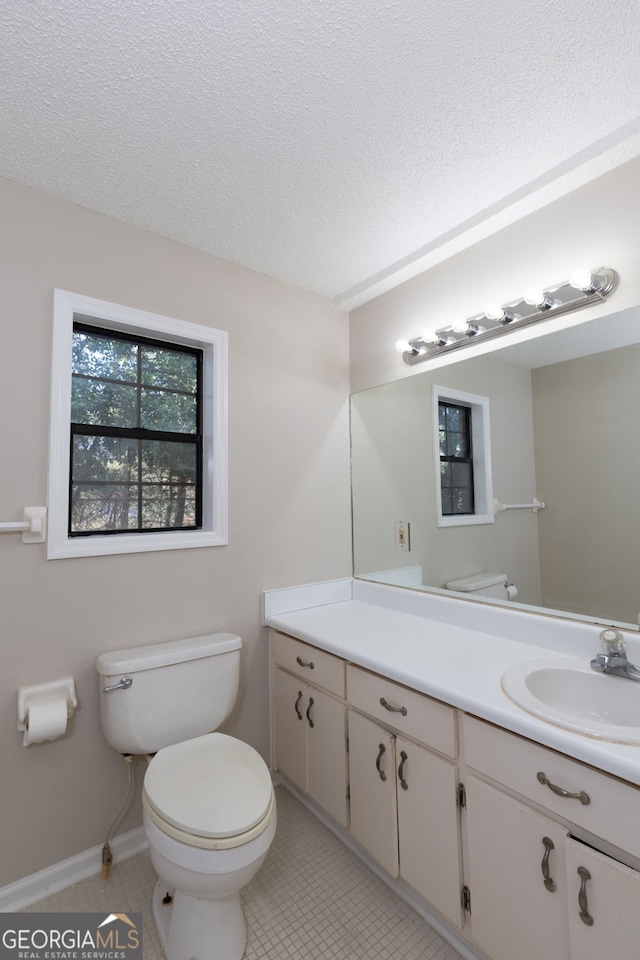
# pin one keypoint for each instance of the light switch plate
(402, 536)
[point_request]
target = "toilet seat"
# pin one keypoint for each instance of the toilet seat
(212, 792)
(209, 843)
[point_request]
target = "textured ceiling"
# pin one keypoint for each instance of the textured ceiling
(341, 145)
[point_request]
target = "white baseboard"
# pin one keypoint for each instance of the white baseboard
(59, 876)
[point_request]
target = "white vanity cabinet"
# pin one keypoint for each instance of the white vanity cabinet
(537, 888)
(516, 875)
(526, 853)
(403, 794)
(310, 722)
(374, 800)
(612, 899)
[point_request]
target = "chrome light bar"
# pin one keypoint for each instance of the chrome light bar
(581, 290)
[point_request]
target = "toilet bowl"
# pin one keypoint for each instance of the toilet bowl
(209, 814)
(201, 912)
(208, 802)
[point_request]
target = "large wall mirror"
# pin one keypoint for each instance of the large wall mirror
(560, 418)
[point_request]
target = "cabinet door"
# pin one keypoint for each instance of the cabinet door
(609, 897)
(513, 913)
(429, 827)
(327, 753)
(289, 706)
(374, 809)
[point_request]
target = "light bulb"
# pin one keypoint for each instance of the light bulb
(460, 326)
(582, 279)
(402, 346)
(493, 311)
(535, 297)
(498, 314)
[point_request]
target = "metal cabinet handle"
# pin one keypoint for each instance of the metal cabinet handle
(295, 706)
(383, 775)
(123, 684)
(311, 702)
(583, 797)
(584, 875)
(403, 760)
(392, 708)
(305, 663)
(548, 847)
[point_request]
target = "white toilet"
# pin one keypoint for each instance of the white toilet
(492, 585)
(209, 806)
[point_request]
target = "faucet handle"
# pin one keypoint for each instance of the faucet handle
(612, 641)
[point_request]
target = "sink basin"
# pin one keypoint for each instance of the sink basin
(568, 693)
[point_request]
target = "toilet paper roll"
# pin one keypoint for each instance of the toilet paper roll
(45, 721)
(512, 592)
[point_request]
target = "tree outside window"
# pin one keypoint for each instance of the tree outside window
(136, 434)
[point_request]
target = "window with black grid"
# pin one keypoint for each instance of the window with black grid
(456, 459)
(136, 434)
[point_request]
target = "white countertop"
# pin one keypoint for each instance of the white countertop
(450, 662)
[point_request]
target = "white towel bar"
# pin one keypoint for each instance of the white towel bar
(33, 525)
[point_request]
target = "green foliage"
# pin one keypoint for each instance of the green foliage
(123, 483)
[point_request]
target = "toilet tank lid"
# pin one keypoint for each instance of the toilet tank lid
(476, 582)
(161, 654)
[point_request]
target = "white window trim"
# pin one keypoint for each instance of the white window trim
(481, 447)
(214, 344)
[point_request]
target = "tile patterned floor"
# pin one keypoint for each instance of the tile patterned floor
(312, 900)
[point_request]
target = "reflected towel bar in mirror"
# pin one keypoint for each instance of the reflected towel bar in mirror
(535, 505)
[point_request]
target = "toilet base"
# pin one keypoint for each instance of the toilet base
(185, 926)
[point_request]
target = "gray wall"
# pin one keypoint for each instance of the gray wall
(588, 464)
(289, 501)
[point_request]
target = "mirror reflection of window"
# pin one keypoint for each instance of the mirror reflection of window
(456, 459)
(462, 451)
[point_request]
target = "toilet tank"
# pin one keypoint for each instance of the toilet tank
(179, 690)
(481, 585)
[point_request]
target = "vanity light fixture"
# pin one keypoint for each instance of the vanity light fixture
(583, 288)
(537, 297)
(494, 311)
(403, 346)
(586, 281)
(474, 329)
(440, 338)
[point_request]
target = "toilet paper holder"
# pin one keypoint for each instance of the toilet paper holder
(39, 693)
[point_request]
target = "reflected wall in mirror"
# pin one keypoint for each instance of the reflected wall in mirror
(564, 422)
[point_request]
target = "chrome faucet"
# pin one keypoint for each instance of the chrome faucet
(614, 658)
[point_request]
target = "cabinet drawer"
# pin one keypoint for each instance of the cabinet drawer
(516, 762)
(426, 720)
(309, 663)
